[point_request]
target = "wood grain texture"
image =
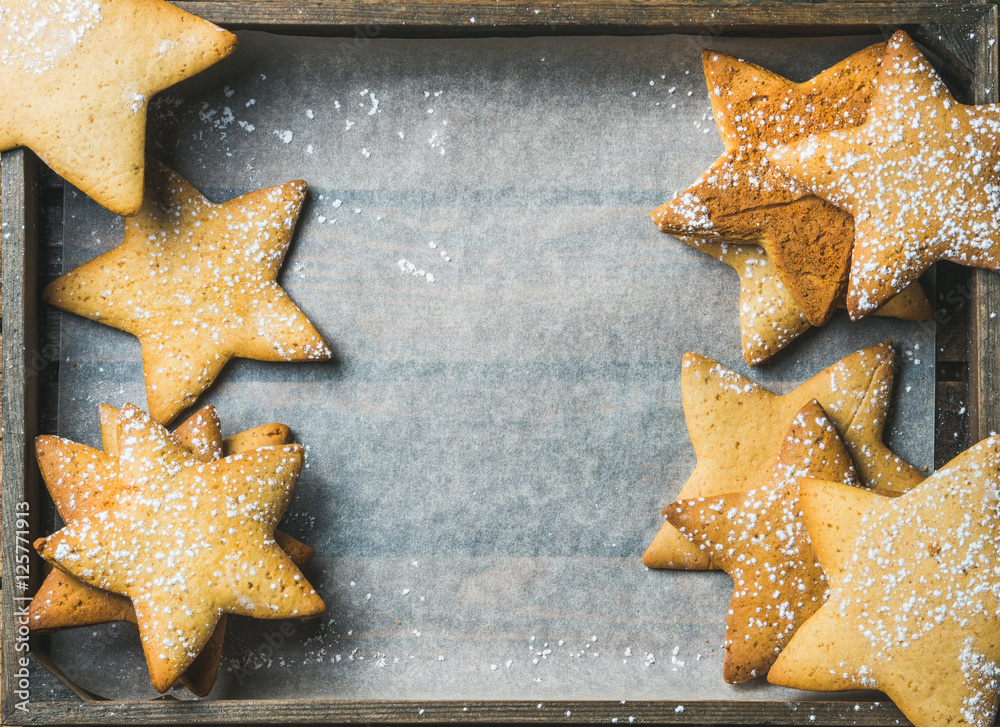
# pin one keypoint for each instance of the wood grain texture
(650, 16)
(523, 712)
(20, 400)
(985, 334)
(953, 315)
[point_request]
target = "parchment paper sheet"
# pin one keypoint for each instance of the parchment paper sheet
(488, 456)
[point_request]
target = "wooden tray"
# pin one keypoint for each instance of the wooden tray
(962, 34)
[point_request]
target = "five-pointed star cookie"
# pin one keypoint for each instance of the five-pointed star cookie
(81, 479)
(744, 198)
(759, 538)
(196, 283)
(737, 429)
(769, 316)
(921, 176)
(187, 541)
(915, 593)
(77, 78)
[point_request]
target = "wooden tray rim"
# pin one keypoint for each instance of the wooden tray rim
(434, 17)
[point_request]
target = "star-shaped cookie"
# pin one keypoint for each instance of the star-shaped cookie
(921, 176)
(187, 541)
(915, 593)
(744, 198)
(81, 479)
(769, 316)
(759, 538)
(77, 78)
(737, 429)
(195, 282)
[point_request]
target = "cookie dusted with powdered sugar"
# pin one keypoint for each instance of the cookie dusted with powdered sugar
(187, 541)
(743, 198)
(196, 283)
(759, 538)
(738, 429)
(914, 597)
(921, 176)
(84, 480)
(77, 78)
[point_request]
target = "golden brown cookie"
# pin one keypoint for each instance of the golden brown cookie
(737, 429)
(915, 592)
(759, 538)
(263, 436)
(195, 282)
(83, 482)
(920, 176)
(77, 78)
(186, 541)
(769, 317)
(743, 198)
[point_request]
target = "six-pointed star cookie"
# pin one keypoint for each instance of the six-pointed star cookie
(759, 538)
(196, 283)
(915, 593)
(743, 198)
(81, 479)
(77, 77)
(187, 541)
(769, 316)
(921, 176)
(737, 429)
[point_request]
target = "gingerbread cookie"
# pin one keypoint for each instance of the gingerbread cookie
(137, 517)
(920, 176)
(743, 198)
(915, 593)
(77, 79)
(74, 472)
(759, 537)
(769, 316)
(737, 429)
(195, 282)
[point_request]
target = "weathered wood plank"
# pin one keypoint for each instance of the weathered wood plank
(486, 17)
(985, 334)
(20, 400)
(395, 712)
(953, 310)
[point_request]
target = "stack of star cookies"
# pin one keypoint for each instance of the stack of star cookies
(171, 531)
(920, 176)
(840, 191)
(850, 569)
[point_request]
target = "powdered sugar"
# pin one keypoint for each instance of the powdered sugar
(36, 36)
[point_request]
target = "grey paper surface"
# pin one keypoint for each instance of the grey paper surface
(489, 454)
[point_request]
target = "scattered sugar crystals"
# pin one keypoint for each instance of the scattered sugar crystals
(36, 46)
(429, 257)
